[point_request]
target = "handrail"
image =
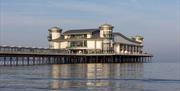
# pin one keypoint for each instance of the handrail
(28, 50)
(9, 49)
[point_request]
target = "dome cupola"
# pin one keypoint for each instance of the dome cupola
(55, 29)
(106, 26)
(54, 33)
(106, 30)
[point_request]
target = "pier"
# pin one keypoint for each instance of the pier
(10, 56)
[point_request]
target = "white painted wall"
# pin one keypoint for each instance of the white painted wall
(107, 41)
(98, 44)
(66, 36)
(56, 45)
(55, 35)
(91, 44)
(117, 48)
(102, 32)
(63, 45)
(89, 35)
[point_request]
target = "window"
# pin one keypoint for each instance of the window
(78, 36)
(78, 44)
(107, 34)
(85, 43)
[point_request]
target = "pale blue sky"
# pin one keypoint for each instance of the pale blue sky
(25, 22)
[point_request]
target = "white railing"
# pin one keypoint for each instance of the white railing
(30, 50)
(9, 49)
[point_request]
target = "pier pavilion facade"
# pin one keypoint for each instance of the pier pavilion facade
(99, 45)
(97, 40)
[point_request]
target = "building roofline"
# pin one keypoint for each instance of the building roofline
(55, 29)
(126, 37)
(58, 40)
(80, 31)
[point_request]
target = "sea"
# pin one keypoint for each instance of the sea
(151, 76)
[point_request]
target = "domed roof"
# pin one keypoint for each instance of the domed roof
(105, 25)
(55, 29)
(139, 36)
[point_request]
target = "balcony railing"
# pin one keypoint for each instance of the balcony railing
(29, 50)
(76, 46)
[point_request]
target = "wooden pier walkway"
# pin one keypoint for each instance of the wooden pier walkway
(31, 56)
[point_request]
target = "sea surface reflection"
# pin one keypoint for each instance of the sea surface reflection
(86, 77)
(96, 76)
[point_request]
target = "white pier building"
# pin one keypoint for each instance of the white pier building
(98, 40)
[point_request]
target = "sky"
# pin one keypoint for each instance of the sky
(26, 22)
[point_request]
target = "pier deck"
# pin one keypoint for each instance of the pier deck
(31, 56)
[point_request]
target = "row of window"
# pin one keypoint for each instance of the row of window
(107, 34)
(78, 43)
(78, 36)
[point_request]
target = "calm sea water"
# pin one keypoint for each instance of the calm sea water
(90, 77)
